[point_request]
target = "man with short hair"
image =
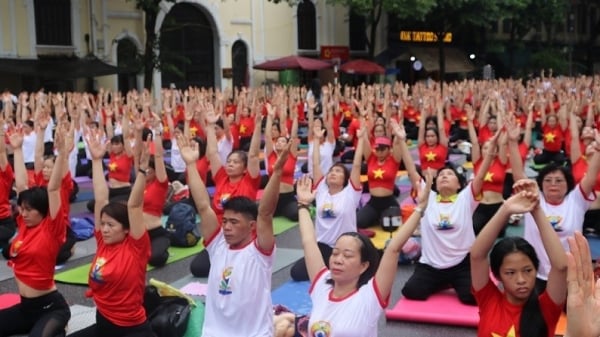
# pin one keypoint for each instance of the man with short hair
(241, 250)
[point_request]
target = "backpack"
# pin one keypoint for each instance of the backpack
(181, 225)
(168, 315)
(83, 228)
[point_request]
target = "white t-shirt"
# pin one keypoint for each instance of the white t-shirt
(224, 148)
(325, 154)
(566, 218)
(336, 214)
(29, 147)
(48, 136)
(238, 298)
(353, 316)
(177, 163)
(447, 229)
(74, 152)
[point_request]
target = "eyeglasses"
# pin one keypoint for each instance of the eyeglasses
(554, 181)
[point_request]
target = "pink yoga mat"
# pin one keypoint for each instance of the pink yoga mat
(441, 308)
(8, 300)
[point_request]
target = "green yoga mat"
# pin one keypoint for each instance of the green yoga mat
(79, 275)
(194, 328)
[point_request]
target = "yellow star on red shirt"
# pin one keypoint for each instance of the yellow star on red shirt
(242, 129)
(193, 130)
(430, 156)
(549, 137)
(378, 173)
(510, 333)
(489, 177)
(112, 167)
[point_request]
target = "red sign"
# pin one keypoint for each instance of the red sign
(333, 52)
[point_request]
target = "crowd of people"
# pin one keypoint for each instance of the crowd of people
(237, 143)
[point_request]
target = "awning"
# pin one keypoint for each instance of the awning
(456, 60)
(63, 68)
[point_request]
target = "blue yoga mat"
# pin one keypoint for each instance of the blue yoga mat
(293, 295)
(594, 246)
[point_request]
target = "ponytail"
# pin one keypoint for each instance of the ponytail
(532, 323)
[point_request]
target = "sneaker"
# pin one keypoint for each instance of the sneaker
(515, 219)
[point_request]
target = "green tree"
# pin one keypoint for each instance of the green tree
(519, 14)
(452, 15)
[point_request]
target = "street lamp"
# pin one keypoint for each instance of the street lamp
(472, 56)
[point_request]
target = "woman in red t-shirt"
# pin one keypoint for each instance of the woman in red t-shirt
(518, 309)
(117, 275)
(42, 311)
(433, 142)
(553, 136)
(287, 205)
(8, 226)
(239, 176)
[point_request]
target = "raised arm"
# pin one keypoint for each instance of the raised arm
(63, 141)
(312, 254)
(476, 147)
(409, 164)
(268, 130)
(135, 203)
(268, 204)
(557, 278)
(189, 153)
(516, 163)
(253, 167)
(212, 153)
(421, 130)
(386, 272)
(317, 174)
(16, 142)
(521, 202)
(97, 148)
(477, 182)
(159, 160)
(358, 157)
(440, 121)
(41, 124)
(575, 144)
(589, 179)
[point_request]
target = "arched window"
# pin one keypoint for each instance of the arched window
(187, 53)
(307, 25)
(239, 61)
(127, 58)
(53, 22)
(357, 29)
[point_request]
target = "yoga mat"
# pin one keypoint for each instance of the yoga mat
(380, 237)
(81, 317)
(561, 326)
(79, 275)
(5, 271)
(294, 296)
(84, 196)
(8, 300)
(594, 243)
(194, 328)
(440, 308)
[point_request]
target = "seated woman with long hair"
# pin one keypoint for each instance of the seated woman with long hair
(350, 292)
(41, 230)
(117, 274)
(518, 308)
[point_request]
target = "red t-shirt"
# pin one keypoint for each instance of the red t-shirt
(353, 130)
(6, 181)
(225, 190)
(234, 129)
(484, 134)
(552, 138)
(382, 175)
(246, 127)
(117, 279)
(433, 157)
(119, 167)
(155, 195)
(494, 177)
(34, 250)
(497, 316)
(289, 168)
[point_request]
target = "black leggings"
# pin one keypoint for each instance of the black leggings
(299, 272)
(482, 215)
(427, 280)
(287, 206)
(104, 327)
(66, 250)
(44, 316)
(546, 157)
(509, 181)
(591, 220)
(370, 213)
(160, 243)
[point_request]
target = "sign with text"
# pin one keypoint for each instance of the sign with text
(417, 36)
(333, 52)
